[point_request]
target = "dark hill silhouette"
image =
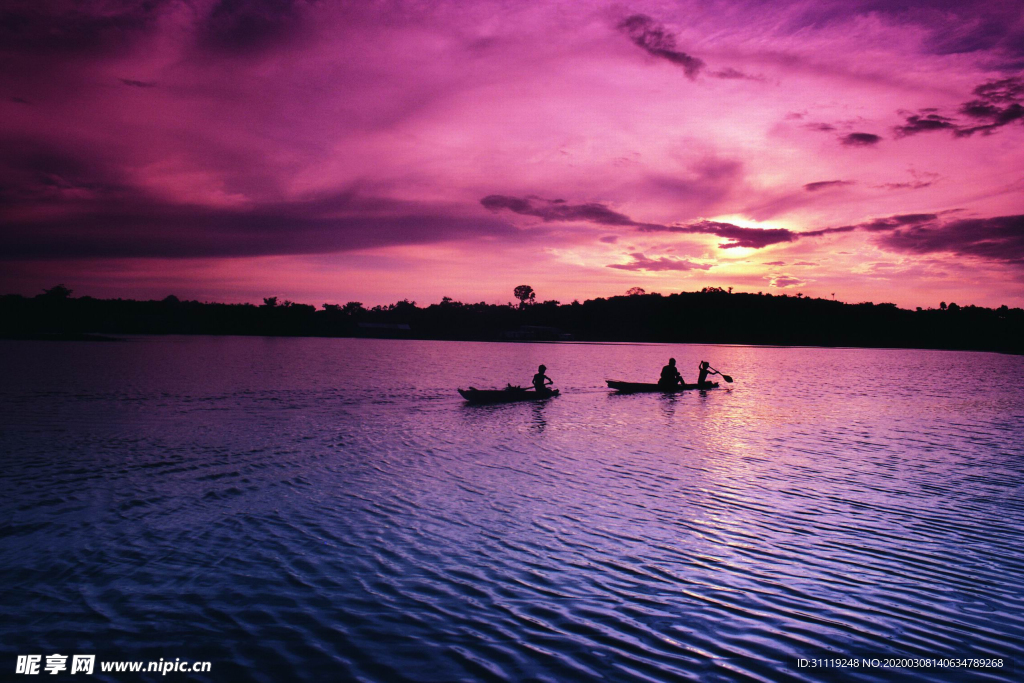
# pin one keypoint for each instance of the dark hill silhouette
(709, 316)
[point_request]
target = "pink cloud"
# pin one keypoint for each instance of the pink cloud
(640, 262)
(300, 130)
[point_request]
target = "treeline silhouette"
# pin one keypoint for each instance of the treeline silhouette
(712, 315)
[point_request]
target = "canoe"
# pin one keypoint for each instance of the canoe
(637, 387)
(505, 395)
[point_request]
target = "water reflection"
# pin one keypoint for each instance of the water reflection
(539, 422)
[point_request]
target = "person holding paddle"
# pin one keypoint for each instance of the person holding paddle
(702, 373)
(540, 380)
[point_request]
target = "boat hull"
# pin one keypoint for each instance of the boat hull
(641, 387)
(504, 395)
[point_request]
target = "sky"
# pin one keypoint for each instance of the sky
(324, 152)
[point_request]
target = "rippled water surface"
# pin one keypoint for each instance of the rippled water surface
(330, 509)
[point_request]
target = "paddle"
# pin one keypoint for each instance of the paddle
(727, 378)
(519, 388)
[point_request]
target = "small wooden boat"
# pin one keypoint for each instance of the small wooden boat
(507, 395)
(639, 387)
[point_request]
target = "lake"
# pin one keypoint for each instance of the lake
(330, 509)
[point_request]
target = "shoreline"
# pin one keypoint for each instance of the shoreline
(98, 337)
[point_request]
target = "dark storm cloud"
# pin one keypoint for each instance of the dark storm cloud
(63, 201)
(559, 210)
(653, 38)
(827, 231)
(860, 139)
(999, 239)
(641, 262)
(95, 28)
(948, 26)
(893, 222)
(924, 123)
(58, 204)
(556, 210)
(825, 184)
(248, 26)
(1005, 91)
(979, 26)
(702, 187)
(154, 229)
(737, 236)
(34, 171)
(998, 103)
(997, 118)
(74, 27)
(876, 224)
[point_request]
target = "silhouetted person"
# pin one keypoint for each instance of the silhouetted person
(540, 380)
(670, 376)
(702, 373)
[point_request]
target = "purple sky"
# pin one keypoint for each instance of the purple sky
(327, 152)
